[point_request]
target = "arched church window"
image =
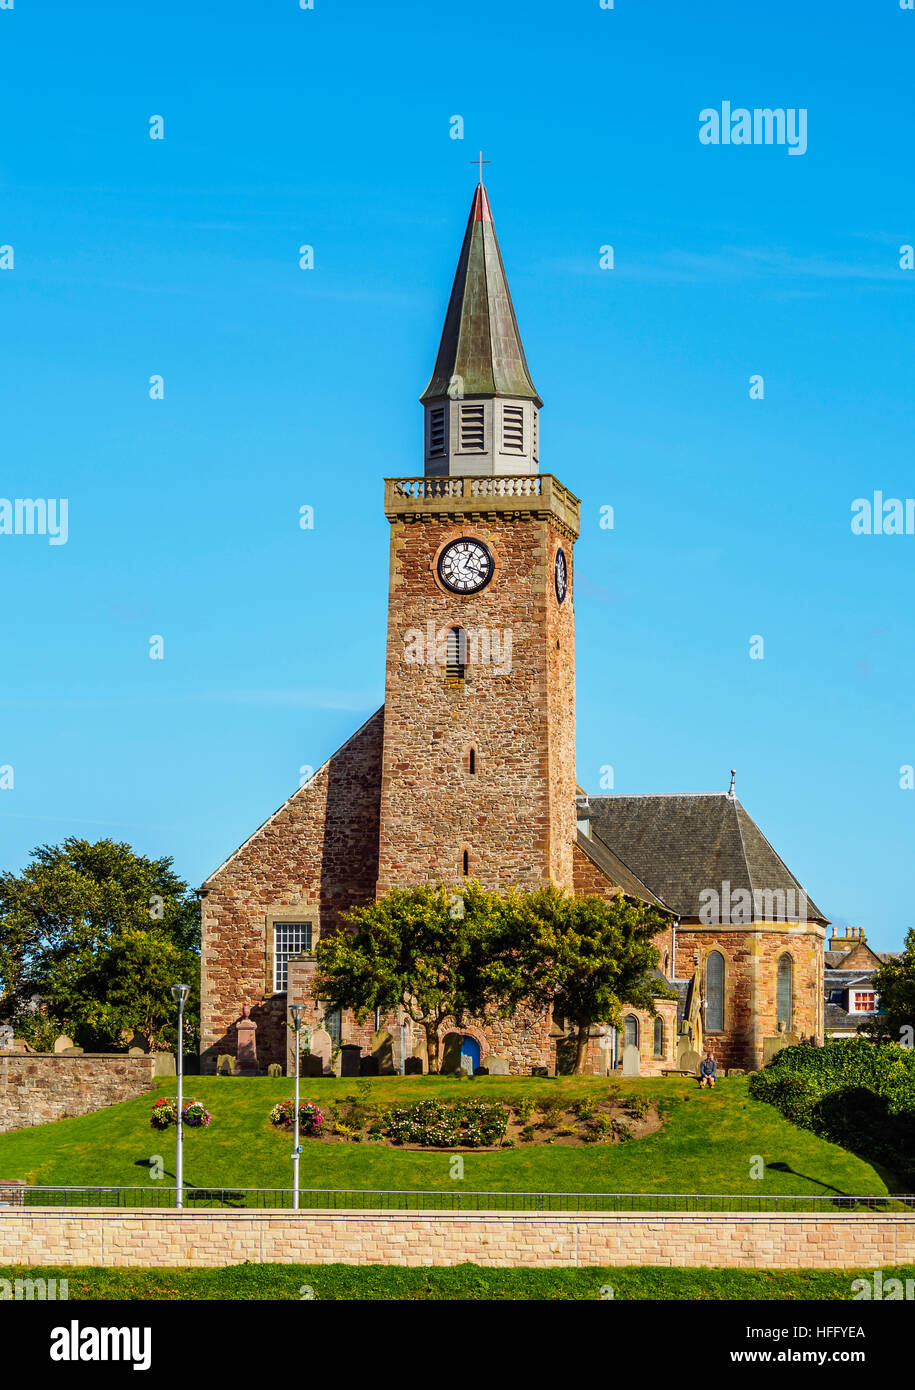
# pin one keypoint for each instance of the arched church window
(714, 992)
(466, 862)
(632, 1030)
(456, 653)
(785, 990)
(659, 1037)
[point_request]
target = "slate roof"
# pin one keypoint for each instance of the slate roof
(480, 341)
(608, 863)
(682, 845)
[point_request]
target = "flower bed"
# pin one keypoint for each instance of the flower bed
(440, 1124)
(165, 1114)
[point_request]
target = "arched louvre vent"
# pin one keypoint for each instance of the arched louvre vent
(535, 431)
(472, 429)
(513, 429)
(456, 653)
(437, 431)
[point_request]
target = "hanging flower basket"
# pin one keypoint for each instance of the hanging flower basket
(165, 1114)
(311, 1118)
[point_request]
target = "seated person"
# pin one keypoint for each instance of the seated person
(707, 1071)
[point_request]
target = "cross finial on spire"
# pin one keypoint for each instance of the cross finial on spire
(481, 161)
(733, 780)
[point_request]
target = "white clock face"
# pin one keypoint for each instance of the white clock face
(465, 566)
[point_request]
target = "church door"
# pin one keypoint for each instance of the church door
(470, 1053)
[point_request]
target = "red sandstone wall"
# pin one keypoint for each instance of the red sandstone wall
(38, 1087)
(318, 855)
(516, 814)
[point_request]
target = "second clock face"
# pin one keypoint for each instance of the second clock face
(561, 575)
(465, 566)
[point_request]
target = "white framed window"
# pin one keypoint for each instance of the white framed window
(333, 1022)
(865, 1001)
(289, 939)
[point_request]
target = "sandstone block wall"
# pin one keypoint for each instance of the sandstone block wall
(315, 857)
(113, 1237)
(37, 1087)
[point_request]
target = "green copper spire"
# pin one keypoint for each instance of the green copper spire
(480, 353)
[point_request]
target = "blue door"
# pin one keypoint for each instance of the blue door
(470, 1053)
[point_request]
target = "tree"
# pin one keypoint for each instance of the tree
(92, 937)
(592, 954)
(423, 950)
(894, 983)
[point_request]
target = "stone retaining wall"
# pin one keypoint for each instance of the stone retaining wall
(36, 1087)
(110, 1236)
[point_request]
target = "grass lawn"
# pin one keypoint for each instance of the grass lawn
(329, 1282)
(707, 1144)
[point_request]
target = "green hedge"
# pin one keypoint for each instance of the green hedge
(858, 1094)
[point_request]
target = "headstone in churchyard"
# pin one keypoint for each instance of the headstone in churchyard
(420, 1048)
(368, 1066)
(165, 1064)
(540, 1071)
(689, 1061)
(382, 1049)
(274, 1069)
(772, 1046)
(631, 1060)
(225, 1064)
(63, 1044)
(481, 1071)
(246, 1050)
(349, 1059)
(6, 1037)
(322, 1047)
(413, 1066)
(401, 1046)
(136, 1052)
(71, 1051)
(451, 1054)
(495, 1066)
(311, 1065)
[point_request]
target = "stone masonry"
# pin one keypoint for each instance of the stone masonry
(37, 1087)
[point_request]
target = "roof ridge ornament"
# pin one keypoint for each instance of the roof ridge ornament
(481, 161)
(731, 793)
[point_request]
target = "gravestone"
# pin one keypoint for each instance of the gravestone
(481, 1071)
(165, 1064)
(368, 1066)
(322, 1047)
(605, 1055)
(413, 1066)
(311, 1065)
(540, 1071)
(631, 1060)
(246, 1050)
(382, 1049)
(63, 1044)
(772, 1046)
(689, 1061)
(495, 1066)
(135, 1052)
(349, 1059)
(420, 1048)
(451, 1054)
(225, 1064)
(6, 1037)
(274, 1069)
(401, 1047)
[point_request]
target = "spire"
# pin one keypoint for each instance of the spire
(481, 345)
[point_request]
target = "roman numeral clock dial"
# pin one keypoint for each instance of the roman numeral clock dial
(465, 566)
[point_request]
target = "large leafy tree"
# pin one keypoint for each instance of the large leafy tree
(423, 950)
(92, 937)
(589, 955)
(894, 982)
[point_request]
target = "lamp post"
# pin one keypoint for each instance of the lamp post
(296, 1011)
(179, 994)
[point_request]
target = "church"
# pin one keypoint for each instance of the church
(468, 771)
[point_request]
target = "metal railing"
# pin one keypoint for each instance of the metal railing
(384, 1199)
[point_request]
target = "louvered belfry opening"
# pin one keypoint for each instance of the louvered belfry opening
(437, 430)
(456, 653)
(513, 429)
(473, 429)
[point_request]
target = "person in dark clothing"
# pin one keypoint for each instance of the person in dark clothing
(708, 1070)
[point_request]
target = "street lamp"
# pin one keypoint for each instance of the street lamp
(296, 1011)
(179, 994)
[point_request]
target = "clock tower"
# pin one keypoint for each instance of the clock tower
(478, 758)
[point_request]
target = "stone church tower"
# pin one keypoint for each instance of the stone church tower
(468, 769)
(478, 764)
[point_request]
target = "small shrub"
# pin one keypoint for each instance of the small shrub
(524, 1109)
(638, 1106)
(585, 1109)
(528, 1133)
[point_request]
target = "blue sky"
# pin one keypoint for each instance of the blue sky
(286, 388)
